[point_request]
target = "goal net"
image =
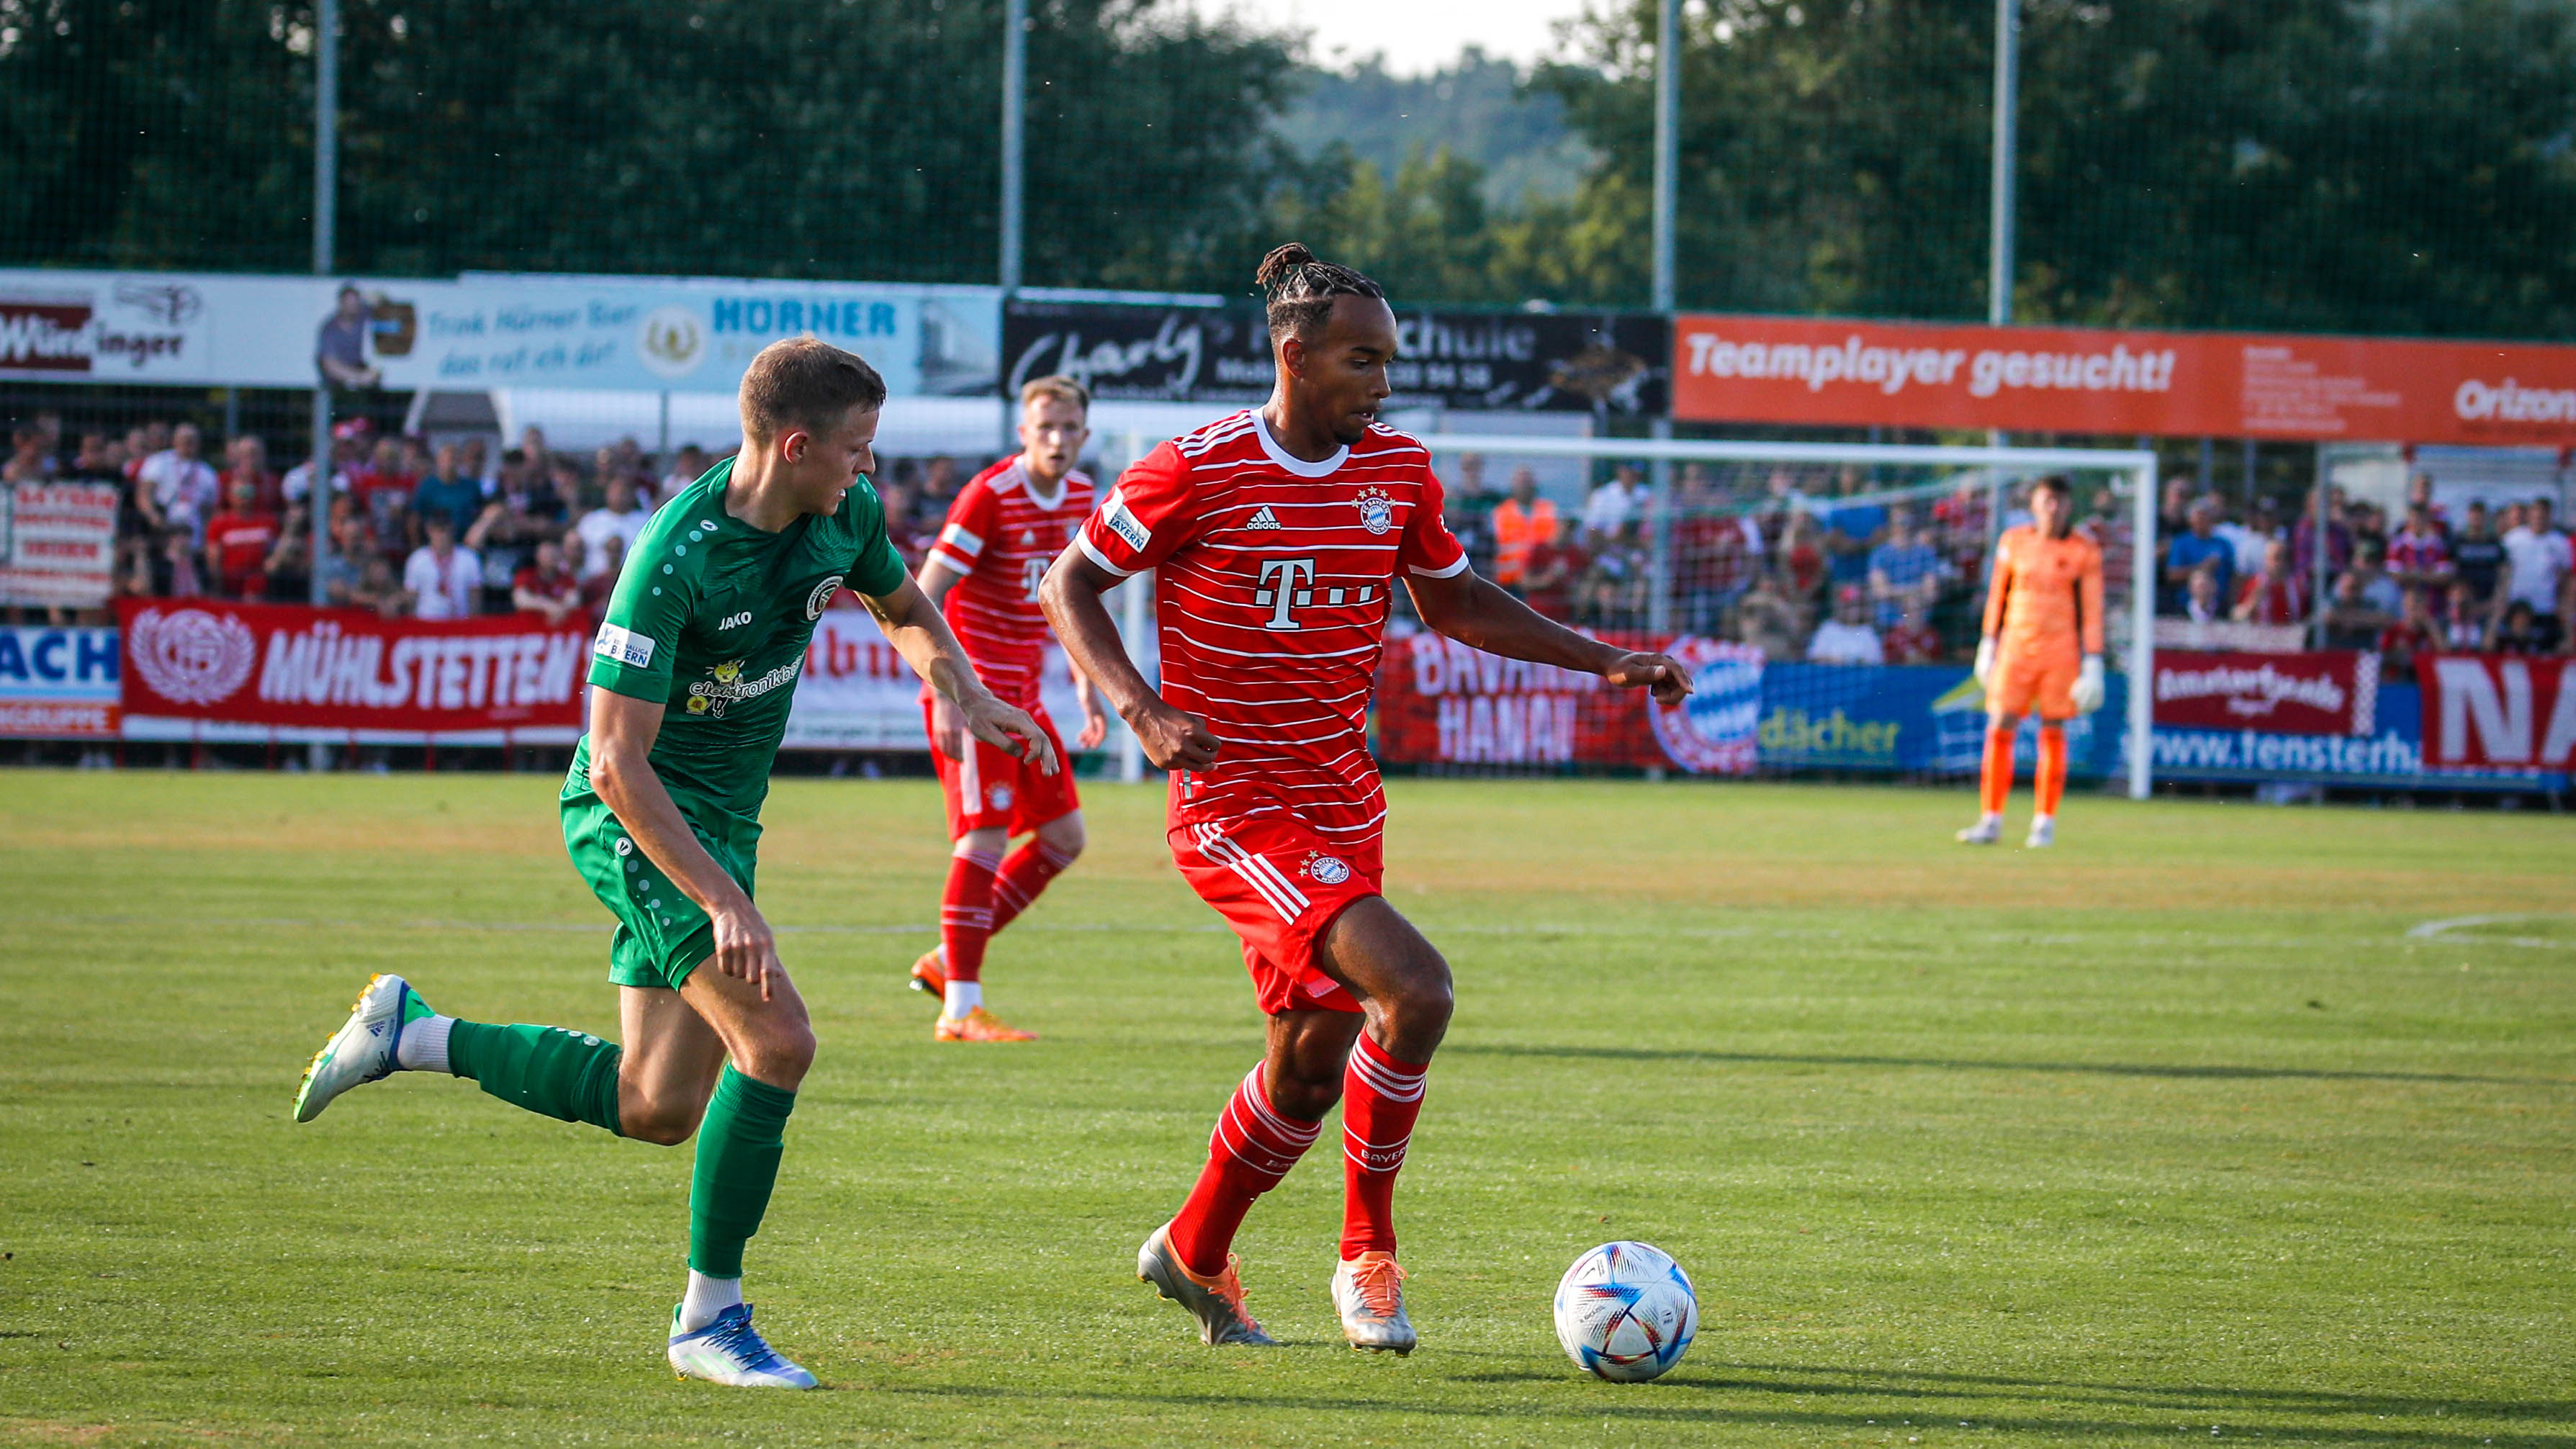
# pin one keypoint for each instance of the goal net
(1828, 596)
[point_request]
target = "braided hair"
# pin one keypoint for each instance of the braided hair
(1301, 289)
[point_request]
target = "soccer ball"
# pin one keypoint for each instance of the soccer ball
(1625, 1312)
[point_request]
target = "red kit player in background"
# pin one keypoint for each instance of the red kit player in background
(1006, 526)
(1278, 535)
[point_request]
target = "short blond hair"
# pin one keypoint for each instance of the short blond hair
(1058, 386)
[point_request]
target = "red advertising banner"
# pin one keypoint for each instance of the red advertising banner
(1443, 702)
(2496, 711)
(347, 669)
(2333, 692)
(2087, 380)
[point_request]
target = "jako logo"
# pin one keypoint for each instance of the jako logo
(734, 621)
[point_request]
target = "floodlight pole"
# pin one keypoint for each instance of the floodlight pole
(1999, 255)
(1668, 160)
(1015, 78)
(326, 222)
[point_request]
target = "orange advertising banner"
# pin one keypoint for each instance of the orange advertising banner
(1742, 369)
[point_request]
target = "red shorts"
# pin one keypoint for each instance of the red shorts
(1279, 884)
(993, 789)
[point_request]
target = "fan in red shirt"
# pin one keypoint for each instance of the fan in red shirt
(1004, 528)
(239, 540)
(1278, 536)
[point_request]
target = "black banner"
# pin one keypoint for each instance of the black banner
(1507, 361)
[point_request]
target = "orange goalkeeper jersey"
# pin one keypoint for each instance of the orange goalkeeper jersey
(2045, 592)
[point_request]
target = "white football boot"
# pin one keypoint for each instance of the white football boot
(1987, 830)
(362, 1050)
(2043, 833)
(730, 1351)
(1218, 1305)
(1368, 1291)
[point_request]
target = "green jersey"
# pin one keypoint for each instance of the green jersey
(711, 618)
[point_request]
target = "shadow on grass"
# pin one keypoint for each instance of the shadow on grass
(2201, 1401)
(2111, 1069)
(2262, 1413)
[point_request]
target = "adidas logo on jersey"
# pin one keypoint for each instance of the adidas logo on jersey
(1264, 519)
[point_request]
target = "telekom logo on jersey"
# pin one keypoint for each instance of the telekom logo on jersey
(1285, 587)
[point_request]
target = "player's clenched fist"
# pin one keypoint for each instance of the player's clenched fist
(1174, 739)
(1005, 727)
(1660, 674)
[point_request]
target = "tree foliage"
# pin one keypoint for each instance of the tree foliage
(848, 138)
(2364, 165)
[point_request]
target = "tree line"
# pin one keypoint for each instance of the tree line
(2403, 166)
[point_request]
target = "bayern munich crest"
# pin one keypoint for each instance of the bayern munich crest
(1377, 510)
(1327, 869)
(1715, 730)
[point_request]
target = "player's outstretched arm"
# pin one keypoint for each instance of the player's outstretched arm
(1070, 594)
(1481, 613)
(622, 731)
(912, 624)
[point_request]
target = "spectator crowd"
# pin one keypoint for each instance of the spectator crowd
(418, 531)
(1826, 565)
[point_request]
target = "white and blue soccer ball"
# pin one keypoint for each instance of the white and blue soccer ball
(1625, 1312)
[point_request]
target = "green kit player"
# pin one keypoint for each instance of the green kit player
(690, 682)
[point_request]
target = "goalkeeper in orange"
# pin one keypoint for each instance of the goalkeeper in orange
(2042, 651)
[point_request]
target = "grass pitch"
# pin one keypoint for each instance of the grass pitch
(2217, 1121)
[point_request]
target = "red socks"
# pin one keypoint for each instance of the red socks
(966, 913)
(1251, 1150)
(1994, 783)
(2051, 781)
(1023, 876)
(1380, 1098)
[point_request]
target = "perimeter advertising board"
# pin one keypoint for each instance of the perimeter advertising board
(1517, 361)
(481, 330)
(2122, 383)
(58, 683)
(856, 693)
(347, 669)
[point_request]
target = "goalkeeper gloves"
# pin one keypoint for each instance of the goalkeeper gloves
(2087, 692)
(1985, 660)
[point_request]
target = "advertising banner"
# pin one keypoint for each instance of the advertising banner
(1441, 702)
(2498, 712)
(2327, 693)
(481, 330)
(1526, 361)
(856, 693)
(2081, 380)
(58, 683)
(57, 545)
(282, 664)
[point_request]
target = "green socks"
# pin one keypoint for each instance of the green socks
(550, 1071)
(573, 1077)
(738, 1149)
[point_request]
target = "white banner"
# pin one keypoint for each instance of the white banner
(483, 330)
(857, 693)
(57, 545)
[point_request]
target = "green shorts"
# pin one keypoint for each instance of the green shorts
(661, 934)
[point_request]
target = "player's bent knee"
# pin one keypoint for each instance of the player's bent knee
(664, 1123)
(1065, 835)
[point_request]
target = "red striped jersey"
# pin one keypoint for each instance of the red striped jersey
(1271, 605)
(1000, 537)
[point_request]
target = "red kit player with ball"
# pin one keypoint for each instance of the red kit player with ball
(1278, 536)
(1008, 523)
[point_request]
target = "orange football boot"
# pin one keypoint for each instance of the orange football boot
(978, 1025)
(930, 974)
